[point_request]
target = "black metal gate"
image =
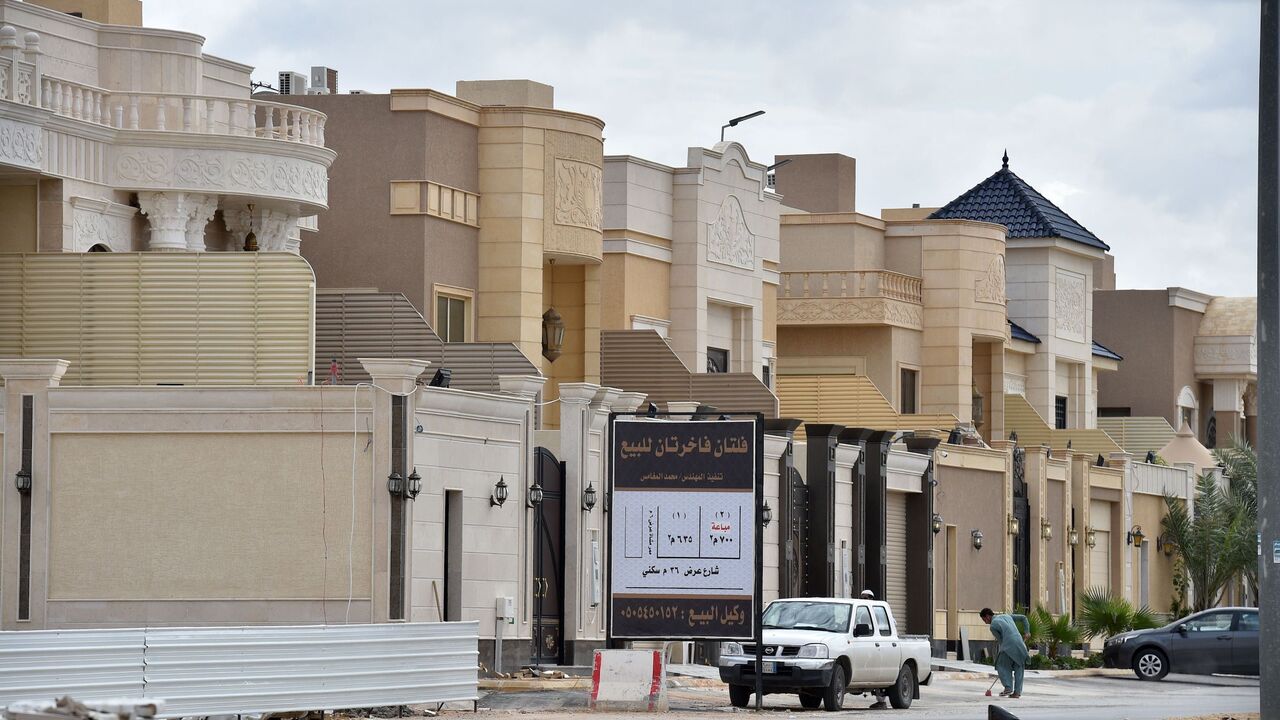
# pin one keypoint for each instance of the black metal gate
(1021, 541)
(548, 561)
(795, 534)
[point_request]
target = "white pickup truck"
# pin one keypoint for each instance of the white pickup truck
(822, 648)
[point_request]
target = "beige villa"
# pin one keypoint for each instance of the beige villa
(973, 322)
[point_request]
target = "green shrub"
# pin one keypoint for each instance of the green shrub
(1105, 615)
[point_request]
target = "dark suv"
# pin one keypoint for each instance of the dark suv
(1221, 640)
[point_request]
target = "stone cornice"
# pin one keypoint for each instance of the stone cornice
(909, 228)
(1189, 299)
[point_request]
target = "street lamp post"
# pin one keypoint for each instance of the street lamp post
(734, 122)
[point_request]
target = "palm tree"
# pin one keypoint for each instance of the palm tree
(1105, 615)
(1056, 634)
(1215, 544)
(1240, 464)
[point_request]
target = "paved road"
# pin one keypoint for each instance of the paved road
(1076, 697)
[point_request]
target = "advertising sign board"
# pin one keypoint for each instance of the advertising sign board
(685, 498)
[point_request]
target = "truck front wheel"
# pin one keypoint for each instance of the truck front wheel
(833, 696)
(810, 702)
(904, 690)
(739, 695)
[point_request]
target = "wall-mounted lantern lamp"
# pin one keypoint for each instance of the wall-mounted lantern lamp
(499, 496)
(589, 497)
(1135, 536)
(415, 484)
(250, 239)
(976, 535)
(1091, 538)
(1164, 545)
(1073, 537)
(395, 484)
(766, 514)
(937, 523)
(535, 495)
(1046, 529)
(1015, 527)
(23, 481)
(979, 406)
(552, 334)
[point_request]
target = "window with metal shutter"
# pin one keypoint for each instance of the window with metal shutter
(896, 554)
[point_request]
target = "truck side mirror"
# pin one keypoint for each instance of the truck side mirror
(862, 630)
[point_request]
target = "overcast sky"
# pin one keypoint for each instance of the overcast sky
(1137, 118)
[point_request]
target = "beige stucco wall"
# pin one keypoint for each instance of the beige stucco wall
(206, 517)
(879, 352)
(18, 208)
(360, 244)
(1148, 511)
(112, 12)
(1157, 342)
(633, 285)
(972, 499)
(832, 241)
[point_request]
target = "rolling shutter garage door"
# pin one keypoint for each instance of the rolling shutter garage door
(896, 554)
(1100, 555)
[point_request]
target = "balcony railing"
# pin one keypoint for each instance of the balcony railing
(22, 81)
(850, 284)
(1160, 480)
(183, 113)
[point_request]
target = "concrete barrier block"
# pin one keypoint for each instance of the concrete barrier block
(634, 680)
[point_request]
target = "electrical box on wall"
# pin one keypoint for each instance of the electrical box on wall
(506, 609)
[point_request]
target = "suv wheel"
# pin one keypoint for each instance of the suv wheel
(739, 695)
(1150, 664)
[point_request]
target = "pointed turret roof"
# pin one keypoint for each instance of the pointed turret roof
(1006, 199)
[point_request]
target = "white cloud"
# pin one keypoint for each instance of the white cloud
(1138, 117)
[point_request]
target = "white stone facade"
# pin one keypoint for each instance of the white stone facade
(137, 140)
(715, 224)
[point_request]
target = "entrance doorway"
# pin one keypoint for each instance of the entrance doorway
(1021, 541)
(548, 561)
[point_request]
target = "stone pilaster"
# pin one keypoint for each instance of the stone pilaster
(26, 378)
(575, 450)
(392, 376)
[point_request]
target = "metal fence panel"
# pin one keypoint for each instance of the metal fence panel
(85, 664)
(202, 671)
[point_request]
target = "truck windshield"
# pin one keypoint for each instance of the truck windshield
(829, 617)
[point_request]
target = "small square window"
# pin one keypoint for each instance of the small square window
(717, 360)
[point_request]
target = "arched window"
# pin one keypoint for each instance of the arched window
(1187, 408)
(99, 248)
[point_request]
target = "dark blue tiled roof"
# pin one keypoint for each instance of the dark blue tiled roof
(1017, 332)
(1006, 199)
(1103, 351)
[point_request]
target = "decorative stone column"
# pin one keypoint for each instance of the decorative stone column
(1123, 461)
(628, 402)
(575, 451)
(27, 383)
(202, 210)
(391, 377)
(169, 214)
(682, 410)
(276, 230)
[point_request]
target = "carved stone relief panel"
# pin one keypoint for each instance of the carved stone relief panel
(100, 222)
(1070, 305)
(578, 195)
(21, 144)
(217, 171)
(849, 311)
(989, 287)
(729, 240)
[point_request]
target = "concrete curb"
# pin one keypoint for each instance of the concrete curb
(582, 683)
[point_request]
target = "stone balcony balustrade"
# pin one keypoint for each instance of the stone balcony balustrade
(239, 152)
(852, 297)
